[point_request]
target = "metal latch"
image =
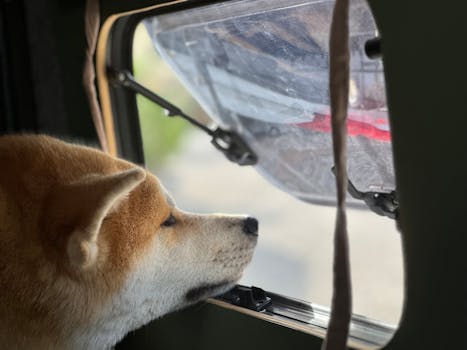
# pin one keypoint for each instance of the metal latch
(228, 142)
(252, 298)
(384, 204)
(373, 48)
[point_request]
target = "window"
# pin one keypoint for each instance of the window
(263, 72)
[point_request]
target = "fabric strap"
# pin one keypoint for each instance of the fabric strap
(341, 307)
(91, 26)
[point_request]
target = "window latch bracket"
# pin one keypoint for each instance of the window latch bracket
(228, 142)
(384, 204)
(252, 298)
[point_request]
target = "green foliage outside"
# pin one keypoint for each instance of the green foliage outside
(162, 136)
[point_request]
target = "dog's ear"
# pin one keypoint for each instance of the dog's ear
(82, 206)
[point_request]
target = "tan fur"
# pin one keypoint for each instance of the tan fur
(76, 227)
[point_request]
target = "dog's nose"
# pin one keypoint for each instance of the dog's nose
(250, 226)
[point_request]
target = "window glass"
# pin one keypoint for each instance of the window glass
(261, 69)
(294, 254)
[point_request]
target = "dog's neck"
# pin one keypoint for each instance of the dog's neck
(132, 308)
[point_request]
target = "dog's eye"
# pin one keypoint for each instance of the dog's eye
(170, 221)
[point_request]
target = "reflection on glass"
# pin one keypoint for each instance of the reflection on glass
(262, 70)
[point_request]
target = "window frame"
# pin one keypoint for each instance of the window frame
(118, 53)
(115, 49)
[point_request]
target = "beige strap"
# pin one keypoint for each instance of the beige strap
(341, 308)
(91, 25)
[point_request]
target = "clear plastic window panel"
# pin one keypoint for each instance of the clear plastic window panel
(261, 68)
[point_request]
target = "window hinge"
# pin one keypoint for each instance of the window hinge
(384, 204)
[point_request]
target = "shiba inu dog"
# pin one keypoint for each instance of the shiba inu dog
(92, 247)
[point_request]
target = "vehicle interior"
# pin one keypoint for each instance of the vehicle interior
(256, 78)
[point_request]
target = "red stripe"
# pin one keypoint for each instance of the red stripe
(322, 123)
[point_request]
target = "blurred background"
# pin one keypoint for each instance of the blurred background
(294, 253)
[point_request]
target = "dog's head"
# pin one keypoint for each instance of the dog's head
(103, 247)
